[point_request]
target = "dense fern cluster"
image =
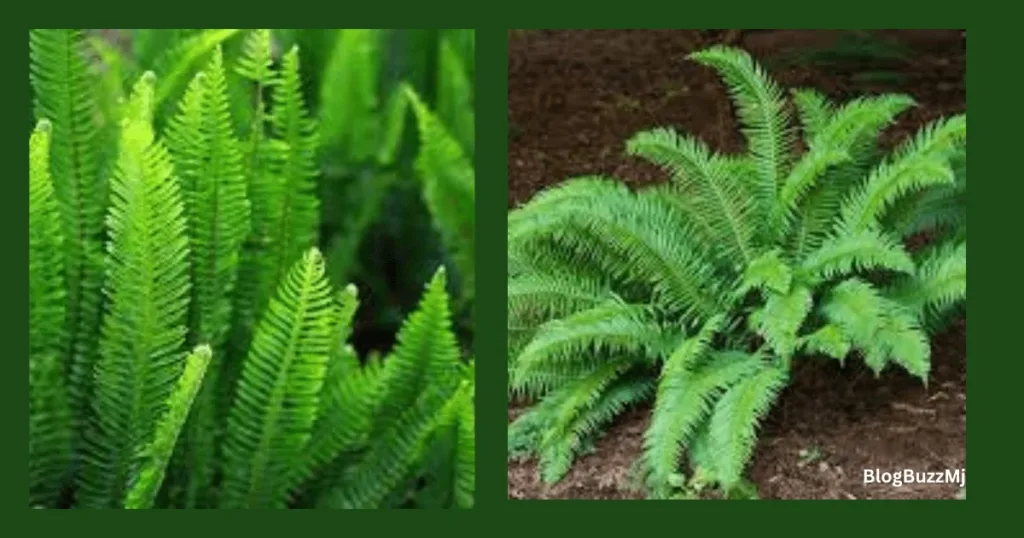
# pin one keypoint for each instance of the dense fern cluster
(700, 292)
(191, 331)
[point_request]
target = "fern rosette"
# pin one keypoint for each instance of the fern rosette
(700, 292)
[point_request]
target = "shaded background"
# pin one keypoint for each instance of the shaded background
(575, 97)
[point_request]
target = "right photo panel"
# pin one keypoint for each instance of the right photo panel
(737, 264)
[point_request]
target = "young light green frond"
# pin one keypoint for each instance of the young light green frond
(64, 96)
(846, 254)
(50, 434)
(348, 114)
(882, 329)
(686, 396)
(157, 453)
(425, 355)
(761, 108)
(279, 390)
(147, 296)
(734, 422)
(718, 199)
(448, 188)
(177, 64)
(779, 321)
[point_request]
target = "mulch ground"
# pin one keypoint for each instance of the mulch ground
(575, 97)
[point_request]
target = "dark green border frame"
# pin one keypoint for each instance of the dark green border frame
(992, 54)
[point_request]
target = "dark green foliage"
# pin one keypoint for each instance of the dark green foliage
(704, 290)
(197, 340)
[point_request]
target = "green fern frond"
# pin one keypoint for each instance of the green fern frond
(761, 108)
(541, 296)
(208, 163)
(638, 240)
(814, 110)
(157, 453)
(717, 198)
(63, 92)
(147, 293)
(255, 65)
(687, 390)
(734, 422)
(420, 375)
(922, 162)
(577, 340)
(272, 418)
(839, 141)
(295, 213)
(868, 250)
(50, 434)
(349, 398)
(448, 188)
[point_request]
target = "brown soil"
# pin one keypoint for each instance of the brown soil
(575, 97)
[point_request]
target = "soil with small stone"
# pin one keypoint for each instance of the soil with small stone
(575, 97)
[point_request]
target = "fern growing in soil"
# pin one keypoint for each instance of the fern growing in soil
(187, 346)
(701, 292)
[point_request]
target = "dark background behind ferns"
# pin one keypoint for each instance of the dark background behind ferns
(398, 248)
(575, 97)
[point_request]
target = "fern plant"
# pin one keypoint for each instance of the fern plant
(700, 292)
(188, 348)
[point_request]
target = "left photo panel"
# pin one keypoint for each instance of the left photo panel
(251, 268)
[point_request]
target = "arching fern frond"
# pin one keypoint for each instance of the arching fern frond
(733, 425)
(761, 109)
(712, 196)
(147, 293)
